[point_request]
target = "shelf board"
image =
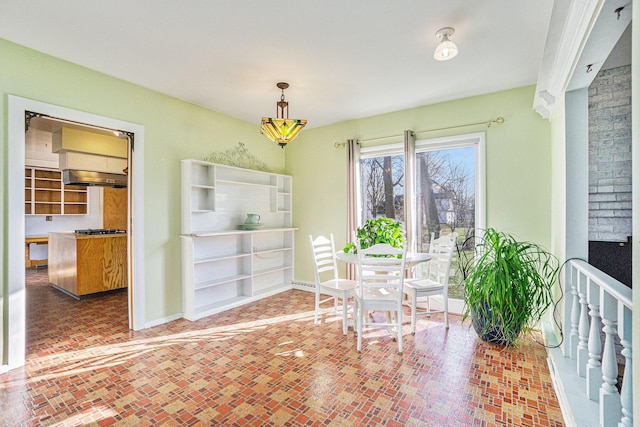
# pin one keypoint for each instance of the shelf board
(270, 251)
(198, 162)
(226, 304)
(220, 258)
(206, 233)
(227, 197)
(220, 281)
(272, 270)
(197, 211)
(203, 186)
(241, 183)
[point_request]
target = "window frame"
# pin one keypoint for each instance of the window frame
(477, 139)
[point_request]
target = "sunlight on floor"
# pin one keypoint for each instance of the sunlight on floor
(94, 358)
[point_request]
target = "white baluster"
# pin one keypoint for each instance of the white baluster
(626, 393)
(575, 315)
(594, 372)
(610, 405)
(583, 331)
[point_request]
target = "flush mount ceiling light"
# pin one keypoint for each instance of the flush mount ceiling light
(281, 129)
(446, 49)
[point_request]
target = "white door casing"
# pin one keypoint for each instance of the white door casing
(15, 328)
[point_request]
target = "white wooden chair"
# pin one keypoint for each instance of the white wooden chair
(381, 270)
(327, 281)
(435, 282)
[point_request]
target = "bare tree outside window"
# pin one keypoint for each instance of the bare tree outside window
(445, 198)
(446, 202)
(383, 187)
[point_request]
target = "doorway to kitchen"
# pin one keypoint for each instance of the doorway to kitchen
(76, 221)
(14, 329)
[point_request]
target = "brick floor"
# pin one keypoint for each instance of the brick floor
(264, 364)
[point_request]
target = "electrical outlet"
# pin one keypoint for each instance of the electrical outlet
(48, 218)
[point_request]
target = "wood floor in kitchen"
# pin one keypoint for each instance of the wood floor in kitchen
(264, 364)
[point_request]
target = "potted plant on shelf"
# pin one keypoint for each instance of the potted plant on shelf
(378, 230)
(508, 288)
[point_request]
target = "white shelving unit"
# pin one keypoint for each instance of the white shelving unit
(224, 267)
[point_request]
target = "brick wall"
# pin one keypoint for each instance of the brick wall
(610, 155)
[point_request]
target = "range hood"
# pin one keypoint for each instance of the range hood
(91, 178)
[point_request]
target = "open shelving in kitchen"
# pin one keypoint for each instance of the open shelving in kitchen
(46, 194)
(224, 267)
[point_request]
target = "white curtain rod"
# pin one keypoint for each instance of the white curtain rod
(488, 123)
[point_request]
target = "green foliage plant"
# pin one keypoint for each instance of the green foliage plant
(378, 230)
(508, 289)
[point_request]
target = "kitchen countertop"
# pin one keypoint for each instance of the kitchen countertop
(71, 234)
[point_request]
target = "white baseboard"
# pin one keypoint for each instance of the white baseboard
(163, 320)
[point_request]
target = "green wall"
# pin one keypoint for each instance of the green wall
(518, 166)
(173, 130)
(518, 157)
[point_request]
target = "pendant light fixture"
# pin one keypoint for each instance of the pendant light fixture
(281, 129)
(446, 49)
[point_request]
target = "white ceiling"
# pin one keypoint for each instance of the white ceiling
(344, 59)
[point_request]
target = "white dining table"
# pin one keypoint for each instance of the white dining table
(412, 258)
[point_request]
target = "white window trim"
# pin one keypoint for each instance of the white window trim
(15, 326)
(382, 150)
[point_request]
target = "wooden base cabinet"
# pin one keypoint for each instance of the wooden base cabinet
(82, 265)
(223, 266)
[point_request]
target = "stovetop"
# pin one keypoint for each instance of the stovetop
(95, 231)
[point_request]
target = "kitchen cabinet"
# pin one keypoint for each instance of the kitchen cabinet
(224, 267)
(82, 265)
(45, 194)
(92, 162)
(114, 208)
(67, 139)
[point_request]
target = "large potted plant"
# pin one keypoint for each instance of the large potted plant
(378, 230)
(508, 288)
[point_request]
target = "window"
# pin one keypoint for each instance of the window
(382, 186)
(450, 196)
(449, 191)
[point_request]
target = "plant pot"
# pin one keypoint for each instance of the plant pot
(489, 328)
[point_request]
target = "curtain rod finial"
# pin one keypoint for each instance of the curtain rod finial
(499, 120)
